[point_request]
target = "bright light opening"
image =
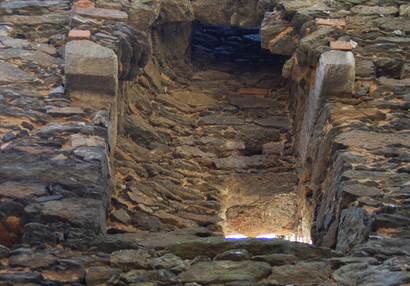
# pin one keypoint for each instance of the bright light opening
(236, 236)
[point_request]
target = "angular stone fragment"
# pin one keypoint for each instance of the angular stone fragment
(206, 273)
(81, 213)
(354, 228)
(97, 276)
(234, 255)
(78, 140)
(11, 74)
(312, 273)
(173, 102)
(90, 69)
(169, 261)
(130, 259)
(33, 259)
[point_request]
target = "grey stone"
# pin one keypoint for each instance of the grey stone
(148, 278)
(278, 122)
(220, 120)
(354, 228)
(33, 259)
(364, 274)
(9, 136)
(336, 73)
(97, 275)
(242, 162)
(312, 273)
(173, 102)
(277, 259)
(90, 70)
(130, 259)
(11, 74)
(169, 261)
(234, 255)
(4, 252)
(206, 273)
(22, 277)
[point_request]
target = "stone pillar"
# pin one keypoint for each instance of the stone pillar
(91, 78)
(334, 76)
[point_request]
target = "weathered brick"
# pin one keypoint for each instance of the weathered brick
(341, 46)
(79, 35)
(254, 91)
(330, 22)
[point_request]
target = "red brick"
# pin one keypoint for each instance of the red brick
(272, 148)
(235, 145)
(84, 4)
(254, 91)
(330, 22)
(341, 46)
(79, 35)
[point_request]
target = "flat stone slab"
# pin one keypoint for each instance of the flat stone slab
(104, 14)
(254, 91)
(226, 271)
(194, 99)
(247, 101)
(372, 140)
(171, 101)
(246, 162)
(358, 190)
(29, 55)
(65, 111)
(212, 246)
(340, 45)
(22, 190)
(11, 74)
(220, 120)
(278, 122)
(313, 273)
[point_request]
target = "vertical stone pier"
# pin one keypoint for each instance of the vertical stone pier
(91, 78)
(334, 77)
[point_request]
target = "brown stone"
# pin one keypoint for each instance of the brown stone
(272, 148)
(65, 277)
(330, 22)
(84, 4)
(254, 91)
(340, 45)
(77, 35)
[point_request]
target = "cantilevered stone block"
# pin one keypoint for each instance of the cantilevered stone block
(336, 73)
(91, 71)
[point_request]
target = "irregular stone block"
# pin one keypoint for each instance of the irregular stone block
(226, 271)
(243, 162)
(90, 69)
(11, 74)
(312, 273)
(354, 228)
(77, 140)
(84, 4)
(69, 276)
(330, 22)
(79, 213)
(129, 259)
(97, 276)
(272, 148)
(78, 35)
